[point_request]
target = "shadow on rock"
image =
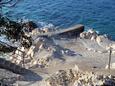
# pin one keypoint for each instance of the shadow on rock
(27, 74)
(31, 76)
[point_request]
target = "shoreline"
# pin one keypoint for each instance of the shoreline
(88, 52)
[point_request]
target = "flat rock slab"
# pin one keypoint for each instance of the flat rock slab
(71, 31)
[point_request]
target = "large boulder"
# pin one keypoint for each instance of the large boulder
(90, 34)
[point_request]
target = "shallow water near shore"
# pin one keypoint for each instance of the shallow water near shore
(98, 14)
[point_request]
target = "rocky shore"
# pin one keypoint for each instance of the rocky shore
(52, 60)
(74, 77)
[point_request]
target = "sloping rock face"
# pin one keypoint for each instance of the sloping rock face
(37, 50)
(38, 54)
(74, 78)
(41, 53)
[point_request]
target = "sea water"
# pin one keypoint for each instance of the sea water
(96, 14)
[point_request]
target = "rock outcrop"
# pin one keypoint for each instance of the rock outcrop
(102, 41)
(78, 78)
(90, 34)
(31, 56)
(40, 54)
(17, 31)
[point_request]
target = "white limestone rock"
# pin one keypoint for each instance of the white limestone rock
(82, 35)
(35, 32)
(71, 78)
(90, 34)
(46, 30)
(30, 52)
(98, 39)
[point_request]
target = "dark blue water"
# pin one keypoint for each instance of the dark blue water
(98, 14)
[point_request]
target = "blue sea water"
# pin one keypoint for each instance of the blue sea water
(97, 14)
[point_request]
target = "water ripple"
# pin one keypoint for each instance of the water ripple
(99, 14)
